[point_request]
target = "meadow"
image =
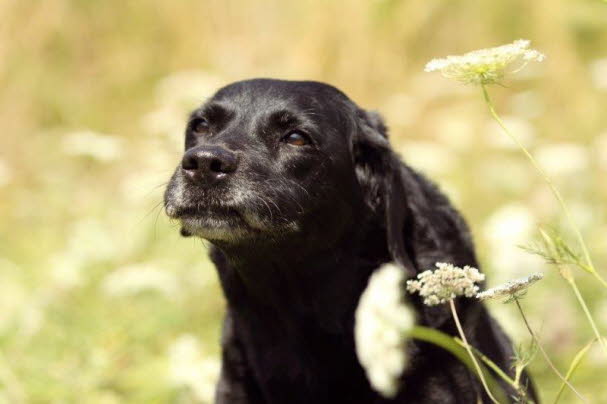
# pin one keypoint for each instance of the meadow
(102, 301)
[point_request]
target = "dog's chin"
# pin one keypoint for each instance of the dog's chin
(211, 223)
(227, 225)
(214, 228)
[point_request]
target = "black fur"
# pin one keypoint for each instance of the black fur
(296, 232)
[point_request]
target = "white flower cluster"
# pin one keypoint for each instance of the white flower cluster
(486, 66)
(445, 283)
(512, 289)
(382, 324)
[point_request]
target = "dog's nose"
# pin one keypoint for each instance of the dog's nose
(207, 164)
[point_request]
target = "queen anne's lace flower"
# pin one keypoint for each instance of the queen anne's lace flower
(486, 66)
(445, 283)
(512, 289)
(382, 324)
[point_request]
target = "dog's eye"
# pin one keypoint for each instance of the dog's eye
(200, 125)
(296, 138)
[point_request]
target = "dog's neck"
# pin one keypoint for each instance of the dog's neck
(319, 286)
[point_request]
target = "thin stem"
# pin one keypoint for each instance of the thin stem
(491, 365)
(555, 191)
(539, 345)
(517, 375)
(455, 346)
(467, 346)
(580, 299)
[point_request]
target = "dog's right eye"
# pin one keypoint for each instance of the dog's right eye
(200, 126)
(296, 138)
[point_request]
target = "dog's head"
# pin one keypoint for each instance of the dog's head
(269, 159)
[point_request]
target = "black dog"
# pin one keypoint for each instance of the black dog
(302, 199)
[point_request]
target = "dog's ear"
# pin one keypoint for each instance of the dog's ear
(422, 228)
(380, 176)
(421, 225)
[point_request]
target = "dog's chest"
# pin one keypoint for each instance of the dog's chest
(304, 366)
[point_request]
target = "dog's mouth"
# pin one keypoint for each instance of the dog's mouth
(198, 211)
(220, 215)
(209, 221)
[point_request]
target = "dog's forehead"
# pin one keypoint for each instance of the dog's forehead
(269, 94)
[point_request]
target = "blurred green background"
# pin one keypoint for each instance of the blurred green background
(101, 301)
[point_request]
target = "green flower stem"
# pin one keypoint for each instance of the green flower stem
(491, 365)
(467, 346)
(580, 299)
(539, 345)
(589, 264)
(574, 365)
(451, 345)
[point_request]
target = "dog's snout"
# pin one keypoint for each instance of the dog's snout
(207, 164)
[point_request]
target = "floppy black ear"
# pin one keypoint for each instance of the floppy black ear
(379, 173)
(422, 227)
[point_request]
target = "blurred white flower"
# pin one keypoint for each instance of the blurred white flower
(133, 279)
(382, 323)
(512, 223)
(167, 120)
(65, 270)
(427, 156)
(486, 66)
(13, 297)
(505, 230)
(32, 317)
(23, 310)
(511, 289)
(101, 147)
(491, 172)
(562, 158)
(90, 240)
(6, 174)
(598, 73)
(445, 283)
(190, 369)
(525, 132)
